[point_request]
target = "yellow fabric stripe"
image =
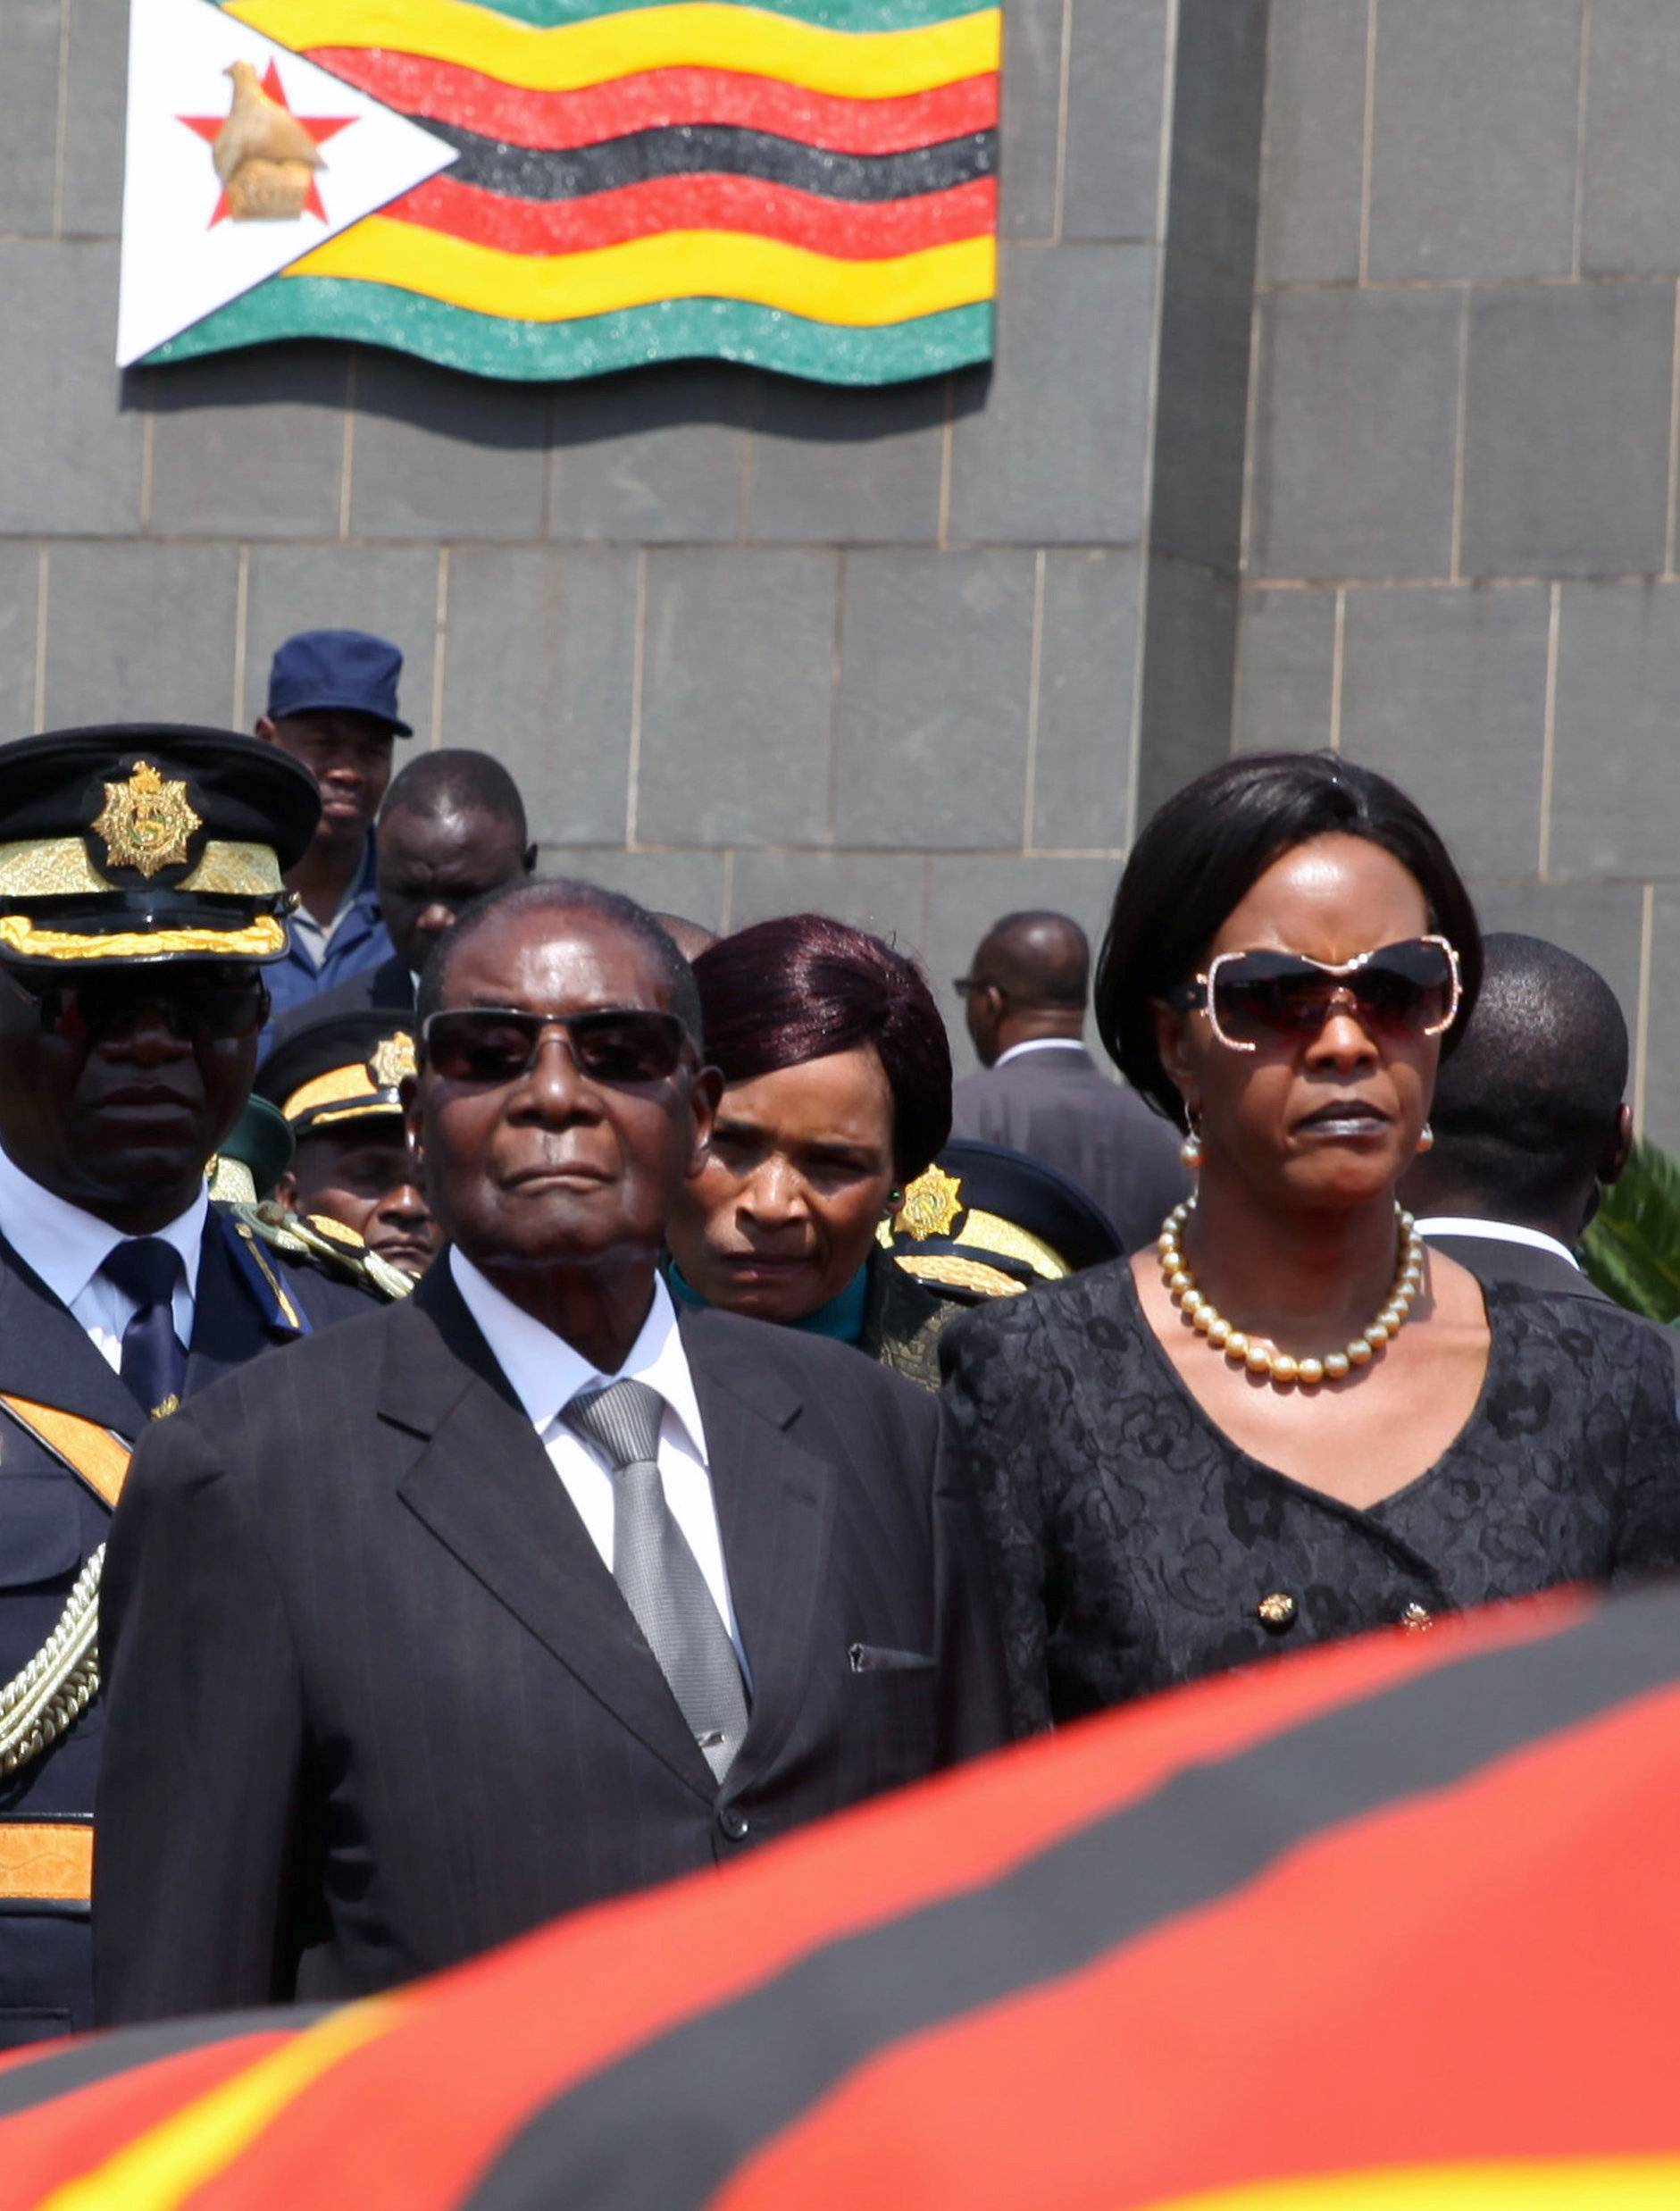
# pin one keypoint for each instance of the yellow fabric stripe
(46, 1861)
(675, 264)
(100, 1458)
(1548, 2184)
(692, 34)
(163, 2167)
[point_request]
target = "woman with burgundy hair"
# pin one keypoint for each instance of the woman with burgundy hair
(838, 1093)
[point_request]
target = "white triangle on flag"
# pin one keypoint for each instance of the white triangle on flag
(180, 264)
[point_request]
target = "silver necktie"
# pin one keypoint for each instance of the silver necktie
(659, 1574)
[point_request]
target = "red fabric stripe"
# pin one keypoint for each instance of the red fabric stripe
(406, 2123)
(851, 230)
(658, 98)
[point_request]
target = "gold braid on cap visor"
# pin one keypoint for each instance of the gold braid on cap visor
(60, 867)
(258, 940)
(345, 1088)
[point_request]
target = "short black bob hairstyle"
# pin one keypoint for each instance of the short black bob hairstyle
(1203, 852)
(803, 986)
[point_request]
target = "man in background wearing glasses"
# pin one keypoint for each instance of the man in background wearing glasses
(524, 1593)
(141, 901)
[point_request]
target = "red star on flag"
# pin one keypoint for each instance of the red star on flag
(321, 128)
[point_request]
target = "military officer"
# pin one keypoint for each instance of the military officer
(339, 1080)
(140, 900)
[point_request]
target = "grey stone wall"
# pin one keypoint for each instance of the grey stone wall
(1459, 525)
(917, 657)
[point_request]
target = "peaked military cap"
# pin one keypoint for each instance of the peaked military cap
(253, 1155)
(344, 1067)
(147, 841)
(984, 1221)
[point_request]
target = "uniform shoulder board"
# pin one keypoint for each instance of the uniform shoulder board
(312, 1240)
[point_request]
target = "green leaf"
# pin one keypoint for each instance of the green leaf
(1633, 1248)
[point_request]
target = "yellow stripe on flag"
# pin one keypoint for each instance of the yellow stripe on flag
(1541, 2184)
(691, 34)
(675, 264)
(170, 2162)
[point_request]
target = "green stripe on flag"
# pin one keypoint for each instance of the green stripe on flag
(674, 330)
(854, 15)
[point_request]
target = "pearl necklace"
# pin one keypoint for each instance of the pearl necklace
(1255, 1353)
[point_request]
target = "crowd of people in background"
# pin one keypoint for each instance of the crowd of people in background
(506, 1398)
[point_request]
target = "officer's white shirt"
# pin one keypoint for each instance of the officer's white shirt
(547, 1373)
(67, 1247)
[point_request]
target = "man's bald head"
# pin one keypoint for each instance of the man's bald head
(1030, 977)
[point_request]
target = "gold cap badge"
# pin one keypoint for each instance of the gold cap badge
(148, 824)
(930, 1205)
(393, 1060)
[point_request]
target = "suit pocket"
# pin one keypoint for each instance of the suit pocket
(41, 1518)
(879, 1658)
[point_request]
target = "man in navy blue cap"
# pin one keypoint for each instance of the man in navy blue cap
(332, 705)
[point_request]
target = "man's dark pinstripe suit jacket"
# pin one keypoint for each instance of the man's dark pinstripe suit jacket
(376, 1703)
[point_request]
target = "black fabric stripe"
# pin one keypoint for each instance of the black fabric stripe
(667, 2125)
(90, 2058)
(711, 149)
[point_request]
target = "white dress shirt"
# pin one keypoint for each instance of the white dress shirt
(1496, 1232)
(547, 1373)
(1037, 1043)
(67, 1247)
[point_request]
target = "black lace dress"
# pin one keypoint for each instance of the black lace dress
(1135, 1545)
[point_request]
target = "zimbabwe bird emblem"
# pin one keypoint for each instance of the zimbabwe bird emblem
(148, 824)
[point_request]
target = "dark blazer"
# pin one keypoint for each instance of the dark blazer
(376, 1704)
(1494, 1259)
(1058, 1107)
(50, 1524)
(389, 986)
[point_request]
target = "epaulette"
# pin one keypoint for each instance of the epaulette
(317, 1241)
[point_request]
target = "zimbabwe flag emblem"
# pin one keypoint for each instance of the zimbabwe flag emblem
(552, 189)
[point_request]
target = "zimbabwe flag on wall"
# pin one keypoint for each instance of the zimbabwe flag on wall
(551, 188)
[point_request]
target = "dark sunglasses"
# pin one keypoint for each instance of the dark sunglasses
(964, 983)
(494, 1045)
(197, 1008)
(1406, 990)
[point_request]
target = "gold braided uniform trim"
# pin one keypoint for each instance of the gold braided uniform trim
(99, 1457)
(961, 1274)
(338, 1087)
(991, 1232)
(46, 1861)
(256, 941)
(60, 867)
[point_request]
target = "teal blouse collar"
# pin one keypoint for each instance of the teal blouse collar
(842, 1318)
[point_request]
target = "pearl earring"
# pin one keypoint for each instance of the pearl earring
(1426, 1138)
(1190, 1150)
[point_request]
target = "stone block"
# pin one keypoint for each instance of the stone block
(141, 632)
(441, 455)
(1631, 177)
(1082, 778)
(1355, 437)
(737, 698)
(848, 466)
(1116, 82)
(1661, 1017)
(884, 892)
(1286, 653)
(1201, 412)
(391, 591)
(1189, 644)
(1616, 777)
(1057, 456)
(69, 451)
(539, 668)
(1218, 103)
(1601, 923)
(248, 444)
(1313, 173)
(20, 597)
(967, 893)
(689, 884)
(1030, 140)
(1566, 461)
(95, 118)
(1444, 690)
(28, 116)
(656, 456)
(1473, 154)
(935, 682)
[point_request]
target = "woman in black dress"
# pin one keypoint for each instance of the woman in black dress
(1292, 1421)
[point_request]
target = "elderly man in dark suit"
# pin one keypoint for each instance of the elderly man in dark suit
(1528, 1122)
(1042, 1094)
(529, 1593)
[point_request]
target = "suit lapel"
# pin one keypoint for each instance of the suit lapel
(228, 1326)
(483, 1485)
(46, 1356)
(775, 1507)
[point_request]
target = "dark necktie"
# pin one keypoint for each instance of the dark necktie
(659, 1574)
(146, 1269)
